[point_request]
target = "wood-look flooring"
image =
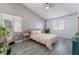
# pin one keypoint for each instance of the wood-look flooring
(63, 47)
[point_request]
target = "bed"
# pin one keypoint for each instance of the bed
(46, 39)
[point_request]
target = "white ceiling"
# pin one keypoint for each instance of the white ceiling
(56, 10)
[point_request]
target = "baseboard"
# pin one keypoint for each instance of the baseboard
(18, 41)
(64, 38)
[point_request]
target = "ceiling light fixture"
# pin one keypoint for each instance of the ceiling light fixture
(47, 5)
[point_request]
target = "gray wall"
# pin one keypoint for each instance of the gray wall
(30, 19)
(70, 26)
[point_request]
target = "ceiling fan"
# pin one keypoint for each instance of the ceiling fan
(47, 5)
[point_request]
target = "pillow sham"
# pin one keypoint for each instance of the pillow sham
(35, 31)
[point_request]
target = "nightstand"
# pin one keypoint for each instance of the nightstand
(26, 36)
(75, 46)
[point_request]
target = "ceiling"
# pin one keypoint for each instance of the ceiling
(56, 10)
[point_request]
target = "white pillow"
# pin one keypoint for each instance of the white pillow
(33, 32)
(36, 31)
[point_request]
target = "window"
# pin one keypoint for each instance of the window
(55, 25)
(58, 25)
(17, 24)
(12, 23)
(8, 22)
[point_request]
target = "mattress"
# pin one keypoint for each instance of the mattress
(47, 39)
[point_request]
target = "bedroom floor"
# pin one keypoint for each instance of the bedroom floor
(64, 47)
